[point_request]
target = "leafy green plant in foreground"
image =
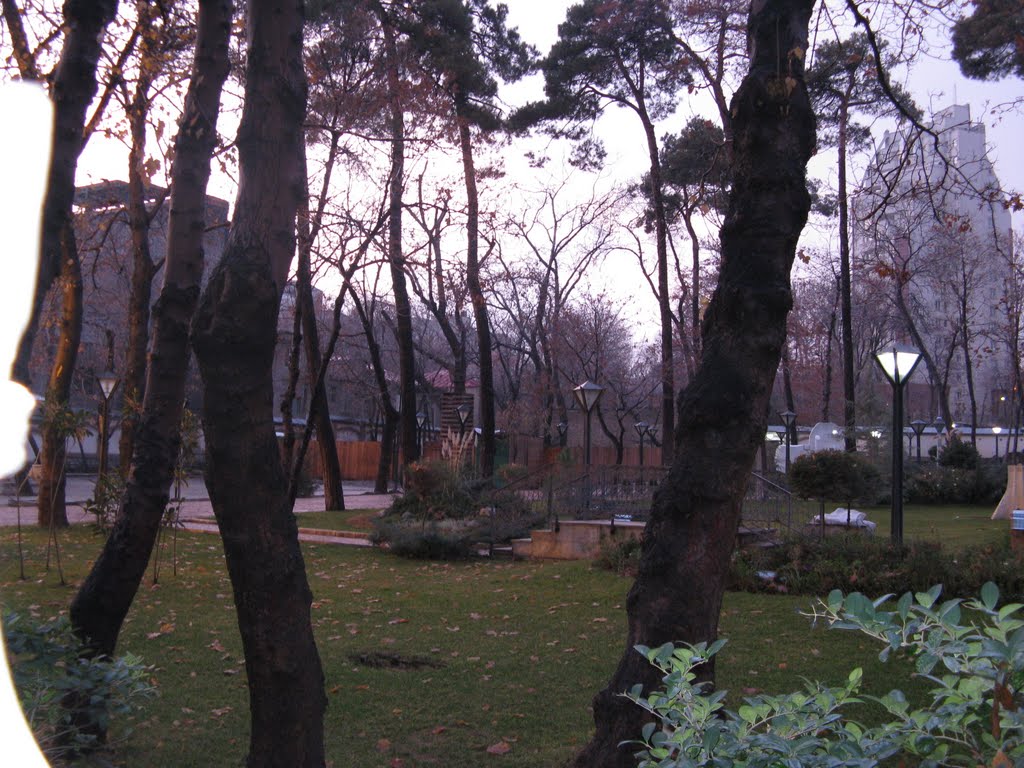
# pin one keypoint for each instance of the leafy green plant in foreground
(49, 675)
(975, 717)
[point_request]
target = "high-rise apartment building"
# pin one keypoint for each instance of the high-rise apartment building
(932, 236)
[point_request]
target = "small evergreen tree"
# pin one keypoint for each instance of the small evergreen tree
(839, 475)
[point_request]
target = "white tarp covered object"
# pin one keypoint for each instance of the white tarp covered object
(838, 517)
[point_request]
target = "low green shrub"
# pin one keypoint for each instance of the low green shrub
(106, 499)
(975, 717)
(429, 540)
(807, 565)
(848, 477)
(621, 556)
(959, 454)
(433, 491)
(443, 516)
(931, 484)
(68, 700)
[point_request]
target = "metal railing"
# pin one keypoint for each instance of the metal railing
(620, 493)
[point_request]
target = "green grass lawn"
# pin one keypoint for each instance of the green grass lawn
(347, 520)
(495, 652)
(954, 526)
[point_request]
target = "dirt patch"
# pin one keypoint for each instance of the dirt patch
(387, 660)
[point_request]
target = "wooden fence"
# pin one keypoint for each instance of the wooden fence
(359, 459)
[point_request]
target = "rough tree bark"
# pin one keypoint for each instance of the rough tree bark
(390, 431)
(51, 508)
(234, 332)
(722, 413)
(668, 376)
(73, 89)
(309, 228)
(407, 427)
(846, 295)
(476, 293)
(139, 219)
(103, 600)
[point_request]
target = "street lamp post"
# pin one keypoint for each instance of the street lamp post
(421, 422)
(587, 394)
(940, 430)
(652, 434)
(897, 362)
(463, 413)
(789, 419)
(918, 426)
(108, 383)
(997, 431)
(641, 430)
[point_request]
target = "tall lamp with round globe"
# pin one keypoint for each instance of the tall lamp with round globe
(898, 362)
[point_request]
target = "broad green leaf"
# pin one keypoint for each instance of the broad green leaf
(903, 606)
(926, 663)
(834, 601)
(989, 595)
(1008, 609)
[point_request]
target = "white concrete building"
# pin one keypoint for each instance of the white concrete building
(931, 233)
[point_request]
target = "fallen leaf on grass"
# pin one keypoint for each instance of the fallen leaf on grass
(438, 730)
(220, 712)
(383, 745)
(501, 748)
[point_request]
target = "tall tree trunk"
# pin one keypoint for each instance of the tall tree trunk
(391, 415)
(476, 293)
(234, 334)
(73, 89)
(334, 498)
(396, 259)
(826, 384)
(58, 390)
(846, 297)
(102, 602)
(722, 415)
(143, 269)
(668, 386)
